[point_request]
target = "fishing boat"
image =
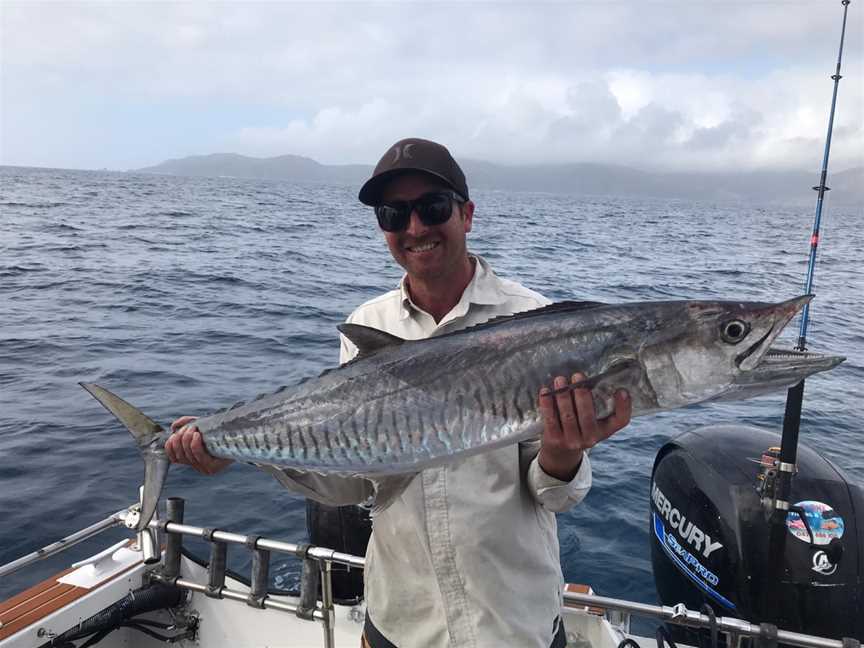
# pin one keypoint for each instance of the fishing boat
(148, 590)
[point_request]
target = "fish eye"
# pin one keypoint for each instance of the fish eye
(734, 331)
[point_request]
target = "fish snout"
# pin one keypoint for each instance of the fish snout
(778, 316)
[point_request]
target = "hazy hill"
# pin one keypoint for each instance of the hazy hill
(577, 178)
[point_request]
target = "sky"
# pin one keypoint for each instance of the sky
(679, 85)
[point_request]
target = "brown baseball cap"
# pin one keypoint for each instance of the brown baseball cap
(414, 154)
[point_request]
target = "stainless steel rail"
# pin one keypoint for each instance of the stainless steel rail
(269, 603)
(678, 614)
(314, 558)
(301, 551)
(117, 519)
(681, 615)
(325, 612)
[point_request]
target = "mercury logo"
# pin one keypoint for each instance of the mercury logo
(691, 533)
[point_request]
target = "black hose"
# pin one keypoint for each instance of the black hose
(628, 643)
(157, 596)
(96, 638)
(663, 638)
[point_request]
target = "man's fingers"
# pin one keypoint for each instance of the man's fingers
(584, 411)
(169, 450)
(619, 418)
(186, 437)
(566, 409)
(179, 452)
(203, 459)
(551, 424)
(180, 422)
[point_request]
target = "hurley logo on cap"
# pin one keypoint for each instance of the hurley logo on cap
(402, 152)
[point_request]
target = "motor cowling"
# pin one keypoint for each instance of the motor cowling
(713, 540)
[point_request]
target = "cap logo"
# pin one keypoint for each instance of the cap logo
(402, 152)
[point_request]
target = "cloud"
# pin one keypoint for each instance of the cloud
(710, 85)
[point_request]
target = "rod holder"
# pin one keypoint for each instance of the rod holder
(310, 581)
(260, 573)
(173, 541)
(216, 569)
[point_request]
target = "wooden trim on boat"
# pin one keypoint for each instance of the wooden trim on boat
(578, 588)
(39, 601)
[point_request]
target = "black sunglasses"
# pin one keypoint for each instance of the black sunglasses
(433, 208)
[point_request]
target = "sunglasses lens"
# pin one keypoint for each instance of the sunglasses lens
(393, 218)
(435, 210)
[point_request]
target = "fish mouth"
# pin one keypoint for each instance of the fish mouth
(765, 369)
(800, 361)
(782, 313)
(780, 368)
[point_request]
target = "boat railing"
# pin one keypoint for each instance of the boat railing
(115, 520)
(316, 575)
(317, 572)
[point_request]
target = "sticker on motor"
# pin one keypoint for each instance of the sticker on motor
(824, 522)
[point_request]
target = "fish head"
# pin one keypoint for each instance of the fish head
(722, 350)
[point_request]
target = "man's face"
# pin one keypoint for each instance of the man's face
(427, 252)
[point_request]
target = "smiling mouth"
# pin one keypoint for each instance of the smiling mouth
(425, 247)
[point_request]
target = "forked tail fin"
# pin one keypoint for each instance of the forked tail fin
(150, 438)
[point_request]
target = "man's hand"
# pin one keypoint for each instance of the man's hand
(570, 426)
(185, 446)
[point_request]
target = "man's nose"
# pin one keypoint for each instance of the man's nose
(415, 225)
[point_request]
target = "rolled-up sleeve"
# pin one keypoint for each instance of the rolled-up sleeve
(553, 494)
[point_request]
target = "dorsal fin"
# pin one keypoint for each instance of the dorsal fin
(368, 340)
(557, 307)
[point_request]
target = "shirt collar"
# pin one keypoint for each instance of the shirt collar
(483, 289)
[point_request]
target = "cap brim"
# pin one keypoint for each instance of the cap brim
(370, 192)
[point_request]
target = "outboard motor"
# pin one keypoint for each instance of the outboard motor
(711, 534)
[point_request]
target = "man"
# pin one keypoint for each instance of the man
(467, 554)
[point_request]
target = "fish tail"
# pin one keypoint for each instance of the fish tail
(150, 438)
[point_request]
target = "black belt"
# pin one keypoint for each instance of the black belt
(374, 638)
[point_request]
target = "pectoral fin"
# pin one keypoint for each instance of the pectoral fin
(625, 373)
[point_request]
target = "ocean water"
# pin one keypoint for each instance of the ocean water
(184, 295)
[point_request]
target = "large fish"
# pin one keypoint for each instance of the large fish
(402, 406)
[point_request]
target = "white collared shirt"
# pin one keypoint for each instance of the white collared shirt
(467, 555)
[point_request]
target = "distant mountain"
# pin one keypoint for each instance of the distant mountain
(847, 187)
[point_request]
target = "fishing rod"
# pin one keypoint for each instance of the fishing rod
(778, 501)
(792, 416)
